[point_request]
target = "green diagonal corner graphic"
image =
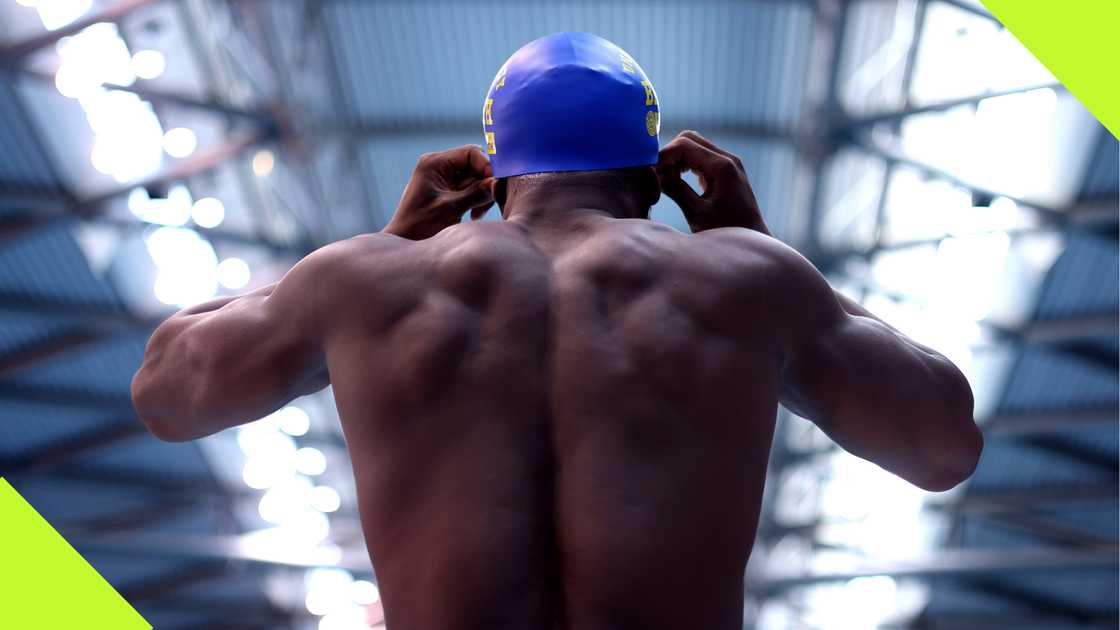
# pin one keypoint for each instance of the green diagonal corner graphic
(45, 584)
(1079, 43)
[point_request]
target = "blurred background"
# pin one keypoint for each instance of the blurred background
(156, 153)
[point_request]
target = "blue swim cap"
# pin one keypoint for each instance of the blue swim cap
(570, 102)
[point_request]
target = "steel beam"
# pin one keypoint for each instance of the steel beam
(1019, 621)
(1046, 529)
(1081, 217)
(146, 516)
(63, 397)
(102, 316)
(200, 162)
(240, 548)
(1050, 422)
(868, 120)
(160, 587)
(1009, 504)
(1040, 604)
(158, 489)
(1057, 330)
(16, 226)
(28, 356)
(1005, 501)
(165, 97)
(61, 451)
(253, 614)
(14, 54)
(367, 182)
(1048, 214)
(829, 30)
(947, 563)
(971, 8)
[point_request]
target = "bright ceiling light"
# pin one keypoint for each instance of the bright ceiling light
(364, 592)
(58, 13)
(287, 501)
(262, 439)
(188, 267)
(179, 142)
(318, 602)
(72, 82)
(148, 64)
(263, 161)
(325, 499)
(262, 473)
(97, 55)
(347, 617)
(208, 212)
(233, 273)
(172, 211)
(128, 137)
(293, 420)
(327, 590)
(311, 461)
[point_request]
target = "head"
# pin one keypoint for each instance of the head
(572, 113)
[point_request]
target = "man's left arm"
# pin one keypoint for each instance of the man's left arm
(235, 359)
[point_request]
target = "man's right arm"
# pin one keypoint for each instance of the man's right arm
(876, 392)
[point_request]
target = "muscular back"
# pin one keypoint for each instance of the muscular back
(551, 432)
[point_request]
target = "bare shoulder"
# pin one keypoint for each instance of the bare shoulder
(766, 260)
(337, 262)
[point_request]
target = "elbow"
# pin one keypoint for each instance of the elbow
(953, 462)
(153, 409)
(954, 445)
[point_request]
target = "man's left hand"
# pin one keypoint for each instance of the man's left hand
(443, 187)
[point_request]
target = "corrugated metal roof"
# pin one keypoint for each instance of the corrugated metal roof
(48, 264)
(949, 598)
(1088, 590)
(1011, 465)
(24, 163)
(417, 62)
(27, 426)
(22, 330)
(1102, 173)
(146, 457)
(123, 571)
(1042, 380)
(105, 367)
(1084, 280)
(68, 501)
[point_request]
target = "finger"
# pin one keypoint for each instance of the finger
(480, 193)
(702, 141)
(479, 212)
(684, 153)
(708, 144)
(680, 192)
(468, 160)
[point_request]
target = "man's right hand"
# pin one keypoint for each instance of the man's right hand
(444, 186)
(727, 199)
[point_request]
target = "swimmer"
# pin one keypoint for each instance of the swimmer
(562, 419)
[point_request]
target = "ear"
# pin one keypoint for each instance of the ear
(650, 187)
(500, 194)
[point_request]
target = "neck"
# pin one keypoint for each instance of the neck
(563, 205)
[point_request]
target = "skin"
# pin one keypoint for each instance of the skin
(563, 419)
